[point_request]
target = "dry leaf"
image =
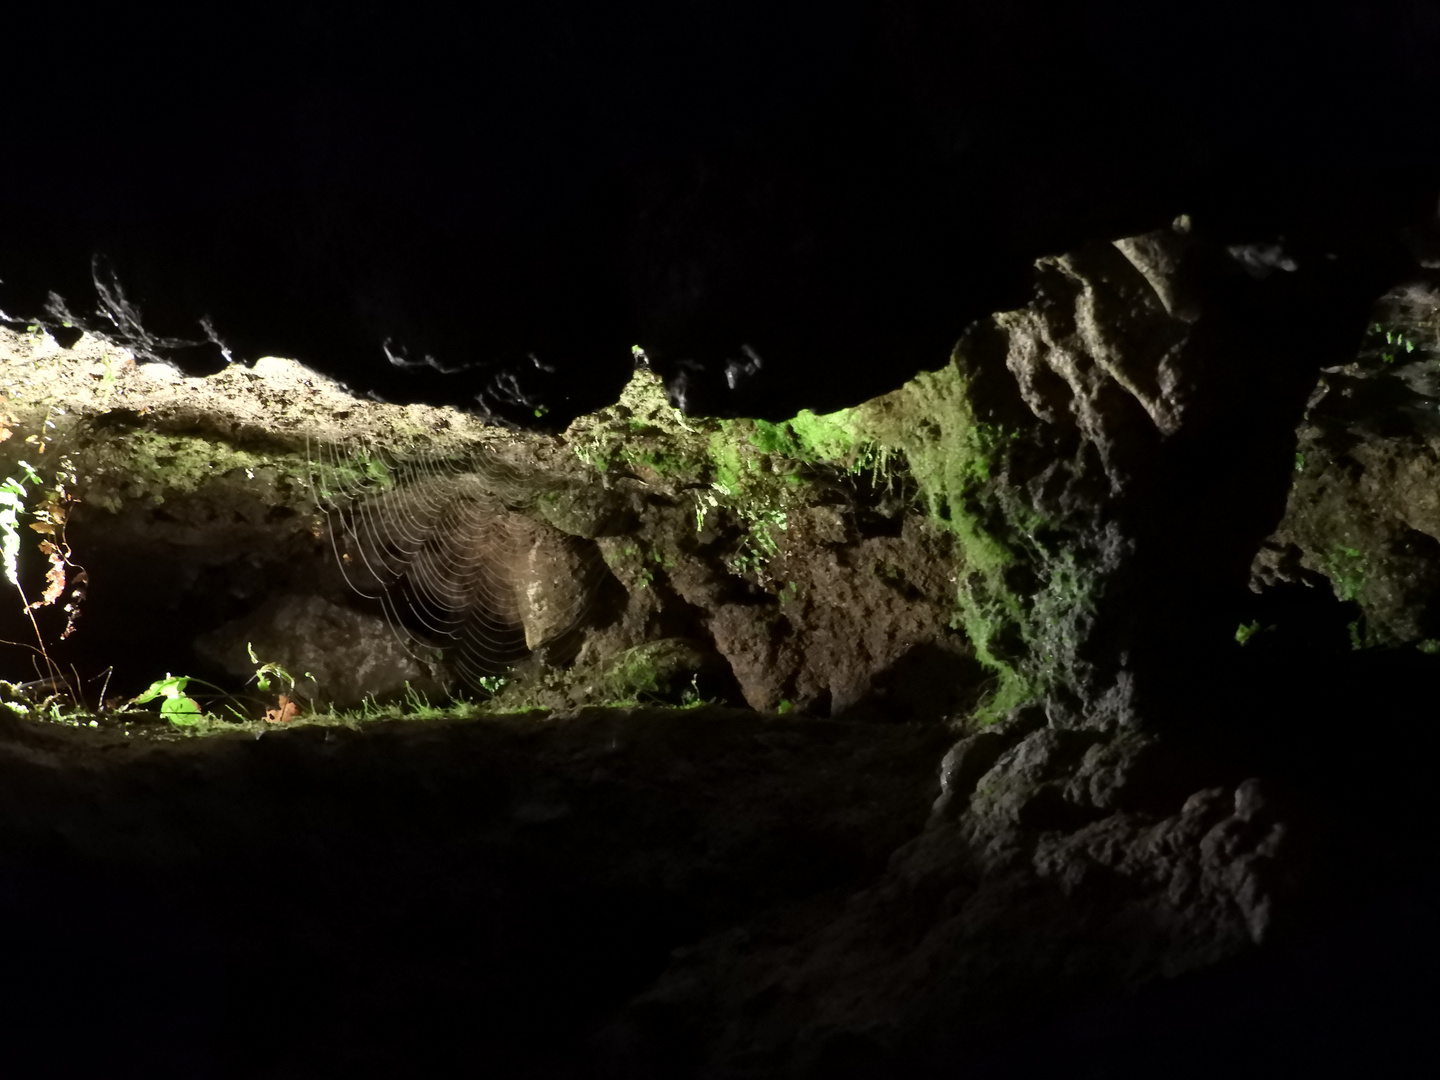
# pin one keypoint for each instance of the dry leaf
(286, 712)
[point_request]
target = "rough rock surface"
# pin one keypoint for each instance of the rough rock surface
(1363, 516)
(1141, 450)
(629, 893)
(1014, 895)
(883, 880)
(335, 653)
(196, 499)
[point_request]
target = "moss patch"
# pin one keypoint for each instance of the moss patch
(924, 438)
(149, 466)
(957, 461)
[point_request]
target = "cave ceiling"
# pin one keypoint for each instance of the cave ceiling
(489, 210)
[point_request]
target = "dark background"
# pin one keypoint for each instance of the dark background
(514, 197)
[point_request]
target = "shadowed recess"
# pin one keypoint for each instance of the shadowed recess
(450, 551)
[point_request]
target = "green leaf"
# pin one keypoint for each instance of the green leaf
(181, 710)
(170, 688)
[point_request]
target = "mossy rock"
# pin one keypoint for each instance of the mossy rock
(672, 671)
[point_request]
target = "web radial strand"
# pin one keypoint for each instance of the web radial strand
(454, 553)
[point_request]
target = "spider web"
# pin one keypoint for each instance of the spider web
(448, 550)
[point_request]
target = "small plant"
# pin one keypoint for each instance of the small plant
(12, 504)
(759, 544)
(418, 705)
(1245, 631)
(1396, 341)
(705, 501)
(1361, 635)
(180, 709)
(50, 516)
(493, 684)
(264, 672)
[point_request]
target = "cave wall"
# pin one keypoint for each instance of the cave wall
(1012, 756)
(1027, 519)
(1009, 754)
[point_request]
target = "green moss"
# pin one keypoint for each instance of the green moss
(352, 472)
(751, 464)
(638, 566)
(807, 436)
(149, 466)
(666, 463)
(657, 672)
(956, 460)
(771, 438)
(727, 466)
(757, 473)
(829, 437)
(633, 676)
(1348, 569)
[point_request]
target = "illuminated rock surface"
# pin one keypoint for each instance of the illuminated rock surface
(996, 667)
(1009, 761)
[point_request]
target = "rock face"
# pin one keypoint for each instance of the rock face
(336, 654)
(1363, 516)
(1003, 751)
(1065, 859)
(1139, 454)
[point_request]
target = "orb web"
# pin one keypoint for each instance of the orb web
(454, 555)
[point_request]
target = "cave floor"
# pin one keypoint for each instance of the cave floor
(394, 897)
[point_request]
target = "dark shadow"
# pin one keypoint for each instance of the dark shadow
(928, 684)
